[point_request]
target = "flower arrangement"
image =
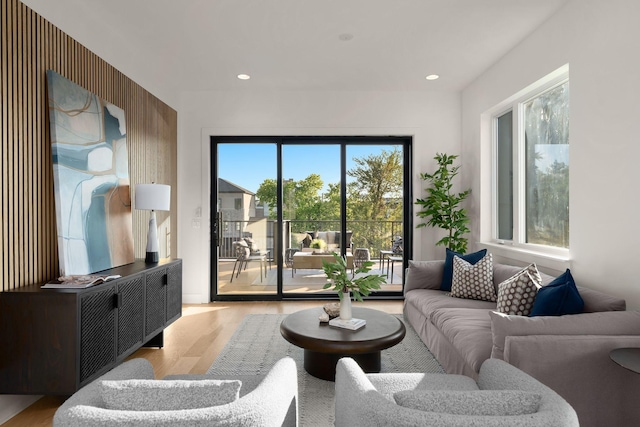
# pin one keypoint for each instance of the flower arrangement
(318, 244)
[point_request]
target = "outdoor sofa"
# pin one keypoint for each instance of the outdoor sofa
(332, 240)
(568, 353)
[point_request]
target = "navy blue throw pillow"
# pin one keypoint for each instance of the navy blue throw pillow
(447, 274)
(559, 297)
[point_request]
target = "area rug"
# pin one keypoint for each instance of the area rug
(257, 345)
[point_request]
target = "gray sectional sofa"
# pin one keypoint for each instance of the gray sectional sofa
(569, 354)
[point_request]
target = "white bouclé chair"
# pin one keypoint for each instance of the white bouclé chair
(269, 400)
(394, 399)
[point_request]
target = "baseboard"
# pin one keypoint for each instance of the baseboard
(12, 405)
(193, 299)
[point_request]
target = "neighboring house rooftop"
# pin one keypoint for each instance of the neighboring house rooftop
(225, 186)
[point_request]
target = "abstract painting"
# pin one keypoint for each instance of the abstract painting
(91, 179)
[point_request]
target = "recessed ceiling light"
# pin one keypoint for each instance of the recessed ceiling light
(345, 37)
(432, 77)
(244, 76)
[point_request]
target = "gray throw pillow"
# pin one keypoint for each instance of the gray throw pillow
(170, 395)
(481, 402)
(473, 281)
(424, 275)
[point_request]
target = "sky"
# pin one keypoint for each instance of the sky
(248, 165)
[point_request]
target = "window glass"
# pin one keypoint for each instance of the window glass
(546, 129)
(504, 176)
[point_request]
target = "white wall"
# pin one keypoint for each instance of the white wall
(101, 36)
(600, 41)
(433, 120)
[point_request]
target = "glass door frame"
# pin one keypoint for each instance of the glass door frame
(343, 141)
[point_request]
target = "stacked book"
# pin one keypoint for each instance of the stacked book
(352, 323)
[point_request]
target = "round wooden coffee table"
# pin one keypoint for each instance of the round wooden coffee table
(323, 344)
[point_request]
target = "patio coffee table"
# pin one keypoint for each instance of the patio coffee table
(314, 261)
(324, 345)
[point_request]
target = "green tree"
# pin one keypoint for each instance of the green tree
(302, 200)
(373, 196)
(376, 187)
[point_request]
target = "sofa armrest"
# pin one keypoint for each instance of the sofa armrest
(89, 395)
(599, 323)
(578, 368)
(423, 275)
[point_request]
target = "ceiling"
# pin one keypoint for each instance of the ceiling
(199, 45)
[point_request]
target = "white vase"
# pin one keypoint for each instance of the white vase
(345, 306)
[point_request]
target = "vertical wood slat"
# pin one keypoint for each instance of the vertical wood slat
(4, 105)
(30, 45)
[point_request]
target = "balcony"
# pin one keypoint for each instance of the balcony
(376, 236)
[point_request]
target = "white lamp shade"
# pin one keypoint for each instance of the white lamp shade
(153, 197)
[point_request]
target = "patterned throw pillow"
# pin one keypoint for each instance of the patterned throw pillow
(517, 294)
(473, 281)
(447, 273)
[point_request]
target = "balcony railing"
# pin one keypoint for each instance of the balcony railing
(374, 235)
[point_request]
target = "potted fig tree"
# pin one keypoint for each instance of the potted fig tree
(441, 207)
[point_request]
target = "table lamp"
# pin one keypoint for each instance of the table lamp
(153, 197)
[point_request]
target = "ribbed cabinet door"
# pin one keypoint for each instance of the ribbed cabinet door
(97, 331)
(174, 291)
(155, 302)
(130, 314)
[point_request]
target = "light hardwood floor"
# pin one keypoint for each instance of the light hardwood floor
(191, 344)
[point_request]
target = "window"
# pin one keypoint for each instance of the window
(237, 204)
(531, 136)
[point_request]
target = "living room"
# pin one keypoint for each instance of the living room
(597, 39)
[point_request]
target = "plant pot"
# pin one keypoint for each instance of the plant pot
(345, 306)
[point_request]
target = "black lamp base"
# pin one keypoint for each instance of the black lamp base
(152, 257)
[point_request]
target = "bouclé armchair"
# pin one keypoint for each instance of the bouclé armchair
(270, 400)
(369, 400)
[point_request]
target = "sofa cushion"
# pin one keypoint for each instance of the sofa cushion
(595, 301)
(558, 297)
(468, 330)
(474, 281)
(447, 273)
(600, 323)
(427, 301)
(517, 294)
(481, 402)
(424, 275)
(161, 395)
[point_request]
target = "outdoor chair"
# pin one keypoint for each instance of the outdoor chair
(244, 256)
(360, 256)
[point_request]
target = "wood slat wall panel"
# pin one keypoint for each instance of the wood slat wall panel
(30, 45)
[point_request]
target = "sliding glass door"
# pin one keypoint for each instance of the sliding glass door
(285, 204)
(245, 246)
(376, 207)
